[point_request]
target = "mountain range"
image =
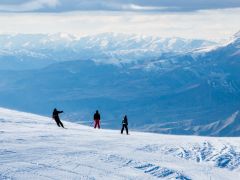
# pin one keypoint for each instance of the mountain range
(170, 85)
(42, 49)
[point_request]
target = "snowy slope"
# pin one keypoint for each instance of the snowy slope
(33, 147)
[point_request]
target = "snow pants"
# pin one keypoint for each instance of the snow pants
(97, 123)
(59, 123)
(124, 126)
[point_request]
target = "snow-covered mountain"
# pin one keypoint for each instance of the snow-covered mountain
(33, 147)
(228, 50)
(107, 48)
(227, 127)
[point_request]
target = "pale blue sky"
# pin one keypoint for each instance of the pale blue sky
(202, 19)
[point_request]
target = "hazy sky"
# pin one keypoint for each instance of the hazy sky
(208, 19)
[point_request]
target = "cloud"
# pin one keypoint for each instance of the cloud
(210, 24)
(115, 5)
(28, 5)
(135, 7)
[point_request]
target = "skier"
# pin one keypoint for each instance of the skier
(125, 124)
(56, 117)
(97, 118)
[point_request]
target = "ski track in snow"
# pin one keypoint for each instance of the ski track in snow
(33, 147)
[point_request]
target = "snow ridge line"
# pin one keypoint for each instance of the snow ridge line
(225, 157)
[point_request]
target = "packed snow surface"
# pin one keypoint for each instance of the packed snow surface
(33, 147)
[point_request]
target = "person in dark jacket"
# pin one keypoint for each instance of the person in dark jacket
(56, 117)
(97, 118)
(125, 124)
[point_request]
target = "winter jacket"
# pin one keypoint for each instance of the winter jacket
(55, 113)
(125, 121)
(96, 116)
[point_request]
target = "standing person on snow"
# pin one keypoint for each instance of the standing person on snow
(125, 124)
(97, 118)
(56, 117)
